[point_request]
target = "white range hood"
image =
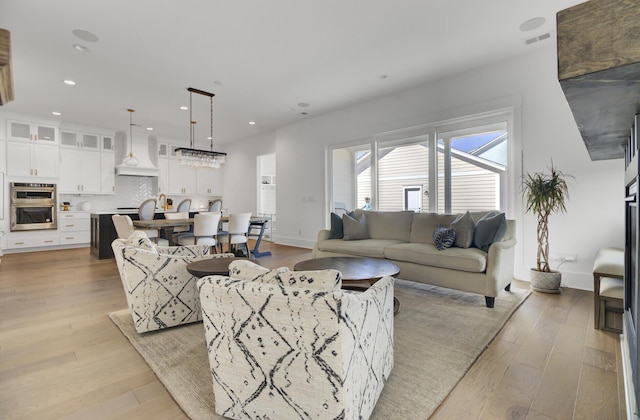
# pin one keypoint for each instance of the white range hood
(141, 163)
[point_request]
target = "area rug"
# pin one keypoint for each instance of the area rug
(439, 333)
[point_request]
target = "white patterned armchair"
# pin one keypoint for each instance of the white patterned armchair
(292, 345)
(160, 292)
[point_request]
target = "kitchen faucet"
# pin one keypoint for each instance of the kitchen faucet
(163, 199)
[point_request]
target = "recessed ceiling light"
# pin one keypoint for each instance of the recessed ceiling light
(533, 23)
(69, 82)
(80, 48)
(85, 35)
(252, 123)
(56, 113)
(149, 128)
(184, 108)
(217, 82)
(303, 104)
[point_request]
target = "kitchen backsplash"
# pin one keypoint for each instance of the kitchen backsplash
(130, 192)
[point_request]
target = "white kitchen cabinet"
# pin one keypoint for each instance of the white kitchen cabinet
(73, 139)
(32, 160)
(208, 181)
(20, 241)
(32, 132)
(107, 144)
(182, 179)
(79, 171)
(107, 173)
(74, 228)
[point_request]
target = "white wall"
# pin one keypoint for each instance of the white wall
(240, 185)
(544, 129)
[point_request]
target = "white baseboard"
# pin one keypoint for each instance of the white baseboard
(301, 243)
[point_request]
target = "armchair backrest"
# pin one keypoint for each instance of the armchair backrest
(325, 353)
(160, 292)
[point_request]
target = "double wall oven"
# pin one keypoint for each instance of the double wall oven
(33, 206)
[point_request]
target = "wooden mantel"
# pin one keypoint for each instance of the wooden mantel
(6, 78)
(599, 71)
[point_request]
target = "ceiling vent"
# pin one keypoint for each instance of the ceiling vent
(542, 37)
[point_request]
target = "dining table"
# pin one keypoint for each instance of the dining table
(256, 222)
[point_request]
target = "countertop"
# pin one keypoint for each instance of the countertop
(158, 211)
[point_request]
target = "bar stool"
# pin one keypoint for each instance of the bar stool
(608, 289)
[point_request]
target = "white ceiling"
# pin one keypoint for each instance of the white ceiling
(260, 58)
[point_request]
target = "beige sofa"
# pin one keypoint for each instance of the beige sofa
(406, 239)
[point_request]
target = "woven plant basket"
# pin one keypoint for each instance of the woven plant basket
(545, 282)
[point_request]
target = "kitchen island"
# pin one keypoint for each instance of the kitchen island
(103, 232)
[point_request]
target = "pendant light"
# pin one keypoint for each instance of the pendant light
(197, 157)
(131, 160)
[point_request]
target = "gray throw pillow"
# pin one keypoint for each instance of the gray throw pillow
(489, 229)
(354, 229)
(465, 228)
(443, 237)
(337, 231)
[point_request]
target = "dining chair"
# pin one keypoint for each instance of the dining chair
(185, 205)
(215, 205)
(147, 211)
(178, 231)
(123, 224)
(237, 232)
(205, 230)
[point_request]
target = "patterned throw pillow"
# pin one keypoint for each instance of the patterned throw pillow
(443, 237)
(140, 240)
(247, 270)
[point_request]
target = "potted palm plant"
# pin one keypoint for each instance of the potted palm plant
(545, 193)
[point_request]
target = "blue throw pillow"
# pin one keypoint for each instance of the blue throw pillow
(489, 229)
(443, 237)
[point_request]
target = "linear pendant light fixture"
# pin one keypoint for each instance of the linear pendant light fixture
(197, 157)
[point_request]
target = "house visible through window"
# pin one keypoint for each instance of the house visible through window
(467, 170)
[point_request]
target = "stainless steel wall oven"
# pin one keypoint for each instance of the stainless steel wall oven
(33, 206)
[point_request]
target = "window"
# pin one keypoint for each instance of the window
(447, 167)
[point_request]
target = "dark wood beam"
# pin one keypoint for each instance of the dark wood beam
(599, 71)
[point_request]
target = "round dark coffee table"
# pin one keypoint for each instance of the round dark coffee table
(358, 273)
(213, 266)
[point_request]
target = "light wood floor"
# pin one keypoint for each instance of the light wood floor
(61, 357)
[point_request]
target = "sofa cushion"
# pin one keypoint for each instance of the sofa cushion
(424, 224)
(389, 224)
(489, 229)
(472, 260)
(354, 229)
(443, 237)
(373, 248)
(465, 227)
